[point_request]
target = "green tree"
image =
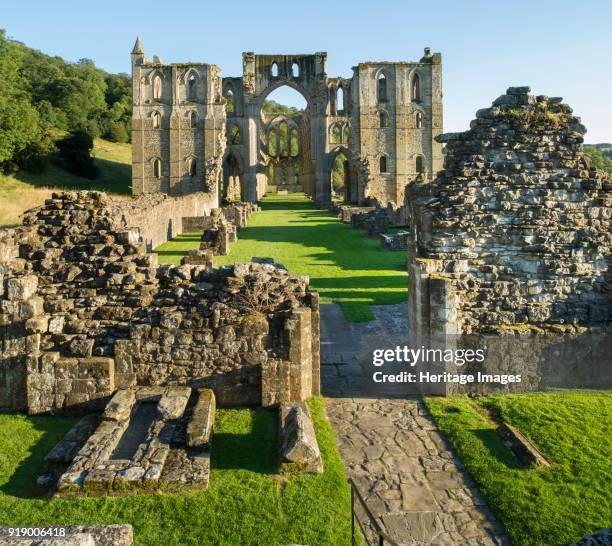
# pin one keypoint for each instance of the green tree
(75, 154)
(19, 120)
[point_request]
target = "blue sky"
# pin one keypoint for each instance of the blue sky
(559, 48)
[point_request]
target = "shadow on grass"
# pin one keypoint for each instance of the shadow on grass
(255, 450)
(493, 442)
(114, 177)
(22, 483)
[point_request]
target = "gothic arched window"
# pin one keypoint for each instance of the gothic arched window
(192, 166)
(415, 88)
(419, 120)
(193, 120)
(156, 118)
(383, 164)
(382, 88)
(157, 168)
(192, 87)
(157, 87)
(419, 164)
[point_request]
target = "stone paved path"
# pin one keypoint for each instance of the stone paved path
(403, 466)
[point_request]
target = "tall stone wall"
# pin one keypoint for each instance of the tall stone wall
(86, 310)
(514, 233)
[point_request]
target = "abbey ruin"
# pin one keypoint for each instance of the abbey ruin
(196, 130)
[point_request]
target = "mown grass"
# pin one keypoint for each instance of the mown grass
(538, 507)
(22, 191)
(343, 265)
(246, 503)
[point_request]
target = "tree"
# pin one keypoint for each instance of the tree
(19, 120)
(75, 154)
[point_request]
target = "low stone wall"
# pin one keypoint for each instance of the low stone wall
(159, 217)
(86, 310)
(396, 241)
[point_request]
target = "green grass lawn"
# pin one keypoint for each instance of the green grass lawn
(538, 507)
(343, 265)
(246, 503)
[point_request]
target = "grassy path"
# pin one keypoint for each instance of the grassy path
(343, 265)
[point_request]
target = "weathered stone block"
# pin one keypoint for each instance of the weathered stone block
(21, 288)
(120, 406)
(299, 446)
(200, 427)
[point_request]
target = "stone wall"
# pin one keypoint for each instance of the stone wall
(86, 310)
(20, 309)
(514, 235)
(160, 217)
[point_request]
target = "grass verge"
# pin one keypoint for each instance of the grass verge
(538, 507)
(246, 503)
(343, 265)
(22, 191)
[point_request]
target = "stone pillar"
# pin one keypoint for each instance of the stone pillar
(299, 330)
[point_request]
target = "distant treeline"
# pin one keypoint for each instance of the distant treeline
(601, 155)
(42, 98)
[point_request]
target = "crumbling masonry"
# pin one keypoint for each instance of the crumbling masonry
(85, 310)
(513, 238)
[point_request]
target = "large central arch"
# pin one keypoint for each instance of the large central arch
(263, 74)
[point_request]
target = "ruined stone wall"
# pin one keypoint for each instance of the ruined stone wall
(86, 310)
(514, 234)
(19, 328)
(159, 217)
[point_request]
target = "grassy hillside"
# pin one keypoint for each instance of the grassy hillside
(23, 191)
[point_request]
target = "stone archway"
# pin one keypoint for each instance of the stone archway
(263, 74)
(231, 189)
(350, 191)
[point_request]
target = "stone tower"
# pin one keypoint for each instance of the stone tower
(178, 126)
(397, 113)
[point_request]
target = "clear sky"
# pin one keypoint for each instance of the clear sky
(560, 48)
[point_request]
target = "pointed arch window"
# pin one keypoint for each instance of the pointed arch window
(157, 168)
(157, 87)
(382, 88)
(192, 166)
(235, 135)
(336, 134)
(418, 120)
(383, 164)
(415, 88)
(156, 118)
(192, 87)
(274, 70)
(294, 144)
(345, 133)
(340, 100)
(283, 137)
(193, 120)
(295, 70)
(272, 142)
(419, 166)
(230, 106)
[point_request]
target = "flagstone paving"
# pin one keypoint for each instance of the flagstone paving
(403, 466)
